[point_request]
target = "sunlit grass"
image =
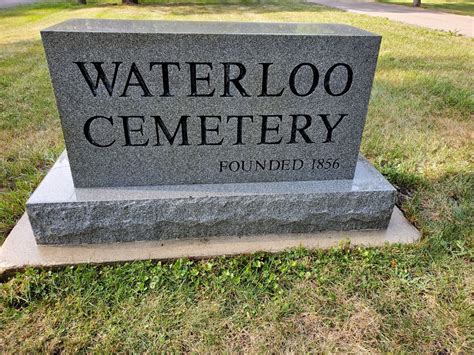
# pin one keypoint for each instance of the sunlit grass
(419, 133)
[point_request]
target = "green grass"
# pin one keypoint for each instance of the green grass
(460, 7)
(416, 298)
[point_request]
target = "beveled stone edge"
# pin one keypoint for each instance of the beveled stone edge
(199, 190)
(65, 27)
(20, 250)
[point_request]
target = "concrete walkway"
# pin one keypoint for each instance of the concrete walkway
(10, 3)
(436, 20)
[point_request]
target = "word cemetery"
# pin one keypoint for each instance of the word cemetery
(179, 130)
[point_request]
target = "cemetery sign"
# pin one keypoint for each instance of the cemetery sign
(152, 103)
(180, 130)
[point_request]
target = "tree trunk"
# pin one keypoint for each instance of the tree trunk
(82, 2)
(416, 3)
(129, 2)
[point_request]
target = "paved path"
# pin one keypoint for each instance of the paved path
(415, 16)
(11, 3)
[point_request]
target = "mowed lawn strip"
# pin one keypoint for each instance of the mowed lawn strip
(415, 298)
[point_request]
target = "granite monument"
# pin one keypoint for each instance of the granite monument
(200, 129)
(156, 103)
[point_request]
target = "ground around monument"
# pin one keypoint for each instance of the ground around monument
(411, 298)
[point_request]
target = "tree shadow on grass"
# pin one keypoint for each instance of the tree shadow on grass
(176, 9)
(32, 9)
(199, 9)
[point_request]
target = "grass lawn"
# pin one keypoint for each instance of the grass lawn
(460, 7)
(416, 298)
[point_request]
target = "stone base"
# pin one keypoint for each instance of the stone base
(20, 249)
(62, 214)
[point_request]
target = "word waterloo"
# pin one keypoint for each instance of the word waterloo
(101, 78)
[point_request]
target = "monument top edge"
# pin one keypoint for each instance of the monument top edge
(207, 27)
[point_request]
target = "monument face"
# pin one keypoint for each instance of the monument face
(159, 103)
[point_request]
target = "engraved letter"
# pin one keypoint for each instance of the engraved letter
(265, 129)
(327, 78)
(140, 82)
(329, 127)
(127, 130)
(195, 78)
(301, 131)
(235, 81)
(223, 165)
(264, 92)
(183, 124)
(205, 129)
(87, 131)
(101, 77)
(165, 74)
(293, 79)
(239, 126)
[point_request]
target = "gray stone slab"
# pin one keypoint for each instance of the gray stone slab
(117, 136)
(62, 214)
(20, 249)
